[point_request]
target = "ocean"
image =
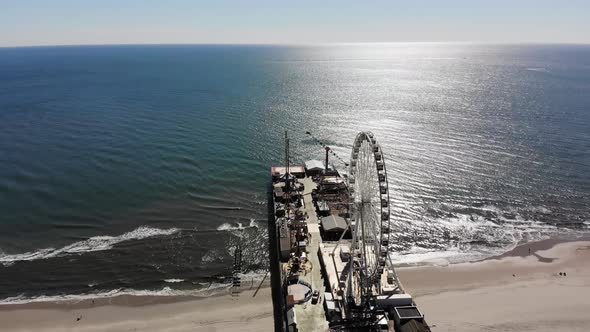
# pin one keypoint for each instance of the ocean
(139, 169)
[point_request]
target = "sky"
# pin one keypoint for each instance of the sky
(70, 22)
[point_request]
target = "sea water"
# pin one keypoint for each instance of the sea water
(139, 169)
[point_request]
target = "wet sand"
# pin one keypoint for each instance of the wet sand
(129, 313)
(516, 291)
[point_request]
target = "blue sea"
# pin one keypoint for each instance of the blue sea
(139, 169)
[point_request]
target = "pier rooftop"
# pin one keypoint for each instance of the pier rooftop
(311, 300)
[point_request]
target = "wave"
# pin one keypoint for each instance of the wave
(227, 208)
(211, 289)
(540, 209)
(422, 256)
(468, 237)
(212, 256)
(173, 281)
(237, 226)
(539, 69)
(255, 276)
(96, 243)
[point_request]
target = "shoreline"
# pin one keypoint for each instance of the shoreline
(521, 249)
(516, 264)
(548, 290)
(513, 290)
(180, 314)
(132, 300)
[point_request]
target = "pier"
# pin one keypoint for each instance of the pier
(311, 317)
(330, 236)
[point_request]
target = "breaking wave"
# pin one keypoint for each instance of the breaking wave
(96, 243)
(464, 238)
(173, 281)
(539, 69)
(237, 226)
(423, 256)
(213, 288)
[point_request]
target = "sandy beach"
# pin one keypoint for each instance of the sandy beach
(518, 291)
(128, 313)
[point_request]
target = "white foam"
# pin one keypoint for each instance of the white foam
(540, 209)
(539, 69)
(255, 276)
(166, 291)
(172, 281)
(212, 256)
(238, 226)
(96, 243)
(422, 256)
(477, 237)
(491, 208)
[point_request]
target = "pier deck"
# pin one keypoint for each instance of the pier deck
(360, 290)
(311, 317)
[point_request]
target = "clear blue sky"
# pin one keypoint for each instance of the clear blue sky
(51, 22)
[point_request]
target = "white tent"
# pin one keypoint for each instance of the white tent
(314, 165)
(333, 223)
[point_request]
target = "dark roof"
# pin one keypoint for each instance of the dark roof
(333, 223)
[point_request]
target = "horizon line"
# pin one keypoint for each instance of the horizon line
(300, 44)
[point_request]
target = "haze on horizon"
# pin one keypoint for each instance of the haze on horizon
(73, 22)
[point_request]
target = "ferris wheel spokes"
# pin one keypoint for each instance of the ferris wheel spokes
(370, 210)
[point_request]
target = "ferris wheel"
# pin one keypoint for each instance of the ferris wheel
(370, 218)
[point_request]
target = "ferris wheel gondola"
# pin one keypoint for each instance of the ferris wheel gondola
(368, 186)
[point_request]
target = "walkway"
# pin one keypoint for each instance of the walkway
(311, 317)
